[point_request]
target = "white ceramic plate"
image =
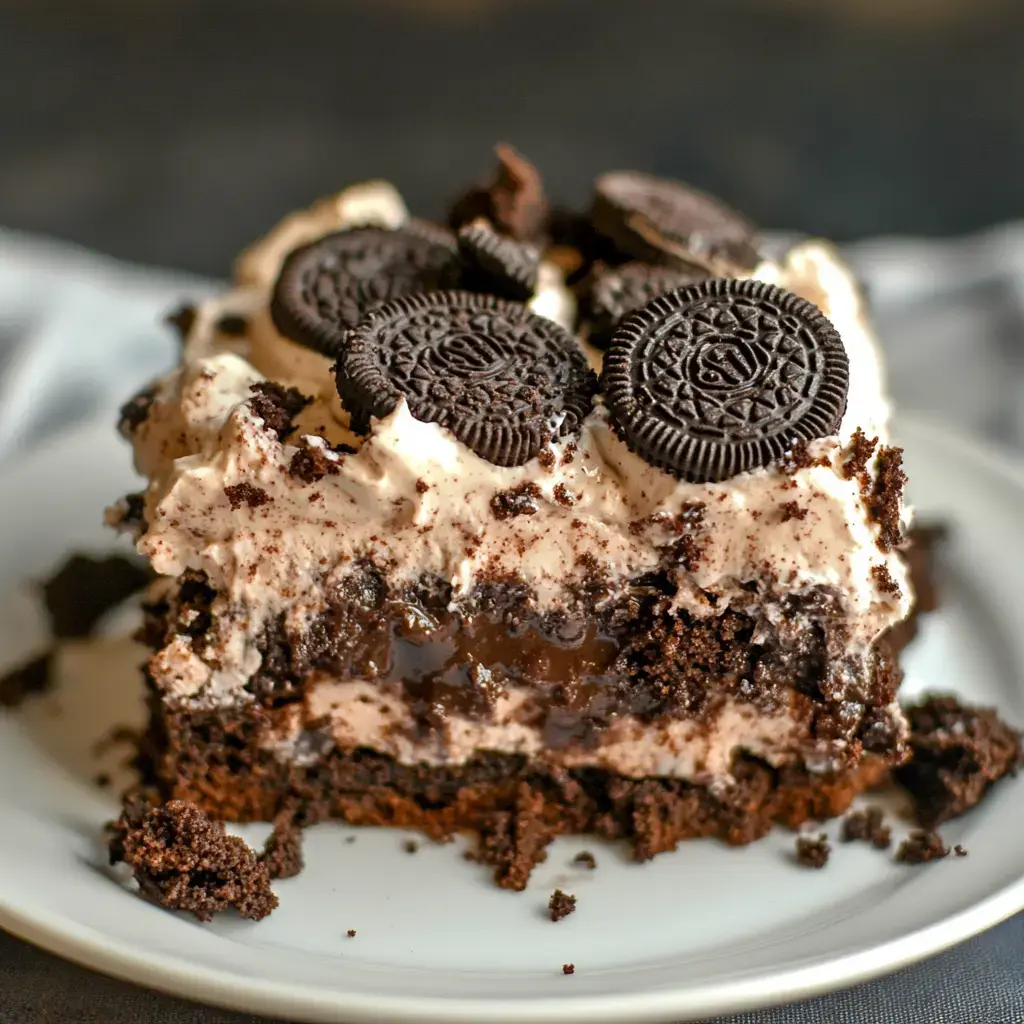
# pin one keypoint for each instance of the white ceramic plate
(699, 932)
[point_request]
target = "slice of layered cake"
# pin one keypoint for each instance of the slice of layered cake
(527, 524)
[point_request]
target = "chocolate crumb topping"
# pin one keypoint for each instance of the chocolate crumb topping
(959, 851)
(883, 503)
(519, 501)
(799, 457)
(410, 846)
(585, 859)
(246, 494)
(563, 496)
(812, 852)
(277, 406)
(184, 861)
(884, 581)
(546, 458)
(310, 463)
(422, 486)
(561, 904)
(858, 455)
(791, 510)
(351, 933)
(867, 826)
(568, 968)
(921, 847)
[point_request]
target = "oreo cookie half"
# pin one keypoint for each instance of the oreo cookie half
(503, 380)
(723, 377)
(497, 264)
(325, 288)
(612, 294)
(660, 220)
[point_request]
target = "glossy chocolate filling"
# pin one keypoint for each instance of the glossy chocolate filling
(629, 656)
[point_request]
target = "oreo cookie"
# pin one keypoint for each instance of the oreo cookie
(501, 379)
(497, 264)
(613, 293)
(663, 221)
(513, 201)
(325, 288)
(723, 377)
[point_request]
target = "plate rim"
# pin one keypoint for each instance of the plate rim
(219, 987)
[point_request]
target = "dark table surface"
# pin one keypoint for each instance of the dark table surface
(176, 130)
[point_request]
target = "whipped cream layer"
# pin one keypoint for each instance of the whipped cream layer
(413, 500)
(357, 713)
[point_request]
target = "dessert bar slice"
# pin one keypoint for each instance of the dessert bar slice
(447, 542)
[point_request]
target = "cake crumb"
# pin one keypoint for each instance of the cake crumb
(184, 861)
(515, 842)
(102, 780)
(568, 968)
(867, 826)
(883, 580)
(519, 501)
(812, 852)
(311, 463)
(410, 846)
(585, 859)
(883, 502)
(561, 904)
(351, 933)
(921, 847)
(857, 456)
(959, 851)
(957, 753)
(246, 494)
(282, 852)
(791, 510)
(277, 406)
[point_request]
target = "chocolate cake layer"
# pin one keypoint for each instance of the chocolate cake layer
(514, 805)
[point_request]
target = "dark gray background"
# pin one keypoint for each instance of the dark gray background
(173, 131)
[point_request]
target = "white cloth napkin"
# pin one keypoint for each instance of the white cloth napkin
(79, 332)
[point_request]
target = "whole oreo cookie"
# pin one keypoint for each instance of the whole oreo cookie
(497, 264)
(613, 293)
(660, 220)
(503, 380)
(325, 288)
(723, 377)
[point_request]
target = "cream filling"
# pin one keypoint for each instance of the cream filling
(365, 714)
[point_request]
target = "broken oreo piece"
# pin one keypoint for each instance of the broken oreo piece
(325, 288)
(664, 221)
(723, 377)
(612, 294)
(496, 264)
(513, 201)
(501, 379)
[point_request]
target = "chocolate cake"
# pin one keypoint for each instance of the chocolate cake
(445, 544)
